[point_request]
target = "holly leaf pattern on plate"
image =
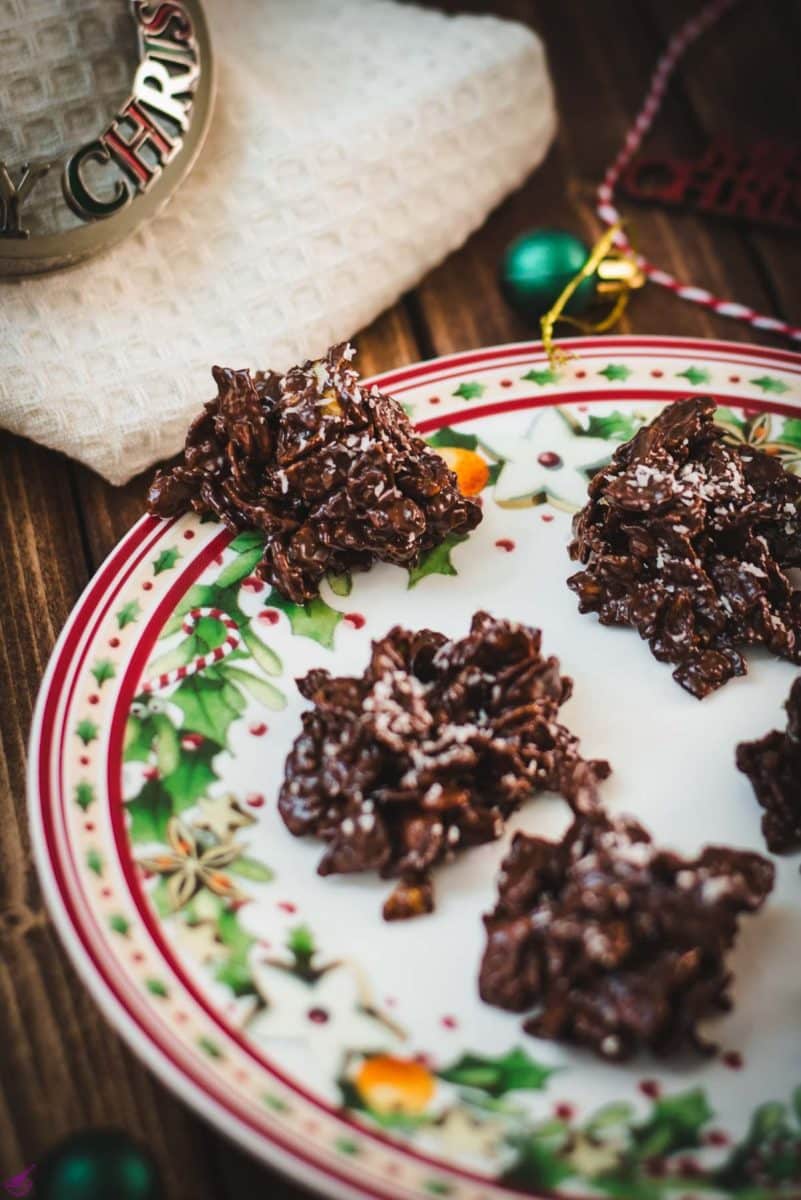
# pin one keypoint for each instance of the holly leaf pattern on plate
(447, 437)
(209, 705)
(251, 868)
(675, 1123)
(94, 861)
(103, 670)
(192, 776)
(166, 560)
(128, 614)
(791, 433)
(614, 426)
(149, 813)
(539, 1162)
(770, 384)
(235, 970)
(437, 561)
(514, 1071)
(268, 695)
(84, 795)
(264, 656)
(316, 620)
(240, 567)
(340, 585)
(695, 376)
(541, 377)
(470, 390)
(86, 730)
(166, 744)
(616, 372)
(202, 595)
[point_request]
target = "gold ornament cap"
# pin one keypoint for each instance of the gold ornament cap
(617, 271)
(105, 108)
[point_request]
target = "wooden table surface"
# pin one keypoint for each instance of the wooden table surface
(62, 1068)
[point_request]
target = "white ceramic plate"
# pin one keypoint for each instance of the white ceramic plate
(352, 1054)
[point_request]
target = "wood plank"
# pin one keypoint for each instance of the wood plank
(741, 83)
(712, 254)
(240, 1176)
(600, 78)
(62, 1068)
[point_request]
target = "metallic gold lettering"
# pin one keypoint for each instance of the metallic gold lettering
(13, 196)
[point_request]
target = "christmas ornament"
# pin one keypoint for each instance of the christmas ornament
(679, 43)
(111, 171)
(613, 273)
(98, 1165)
(537, 267)
(554, 269)
(763, 188)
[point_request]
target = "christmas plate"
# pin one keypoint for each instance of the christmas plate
(353, 1054)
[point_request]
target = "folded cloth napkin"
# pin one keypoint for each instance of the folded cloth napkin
(355, 143)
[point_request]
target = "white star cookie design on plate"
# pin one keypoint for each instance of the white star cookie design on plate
(329, 1015)
(222, 816)
(550, 462)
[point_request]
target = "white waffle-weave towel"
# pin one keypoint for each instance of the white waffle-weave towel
(355, 143)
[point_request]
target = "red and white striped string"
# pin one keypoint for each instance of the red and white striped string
(678, 44)
(231, 643)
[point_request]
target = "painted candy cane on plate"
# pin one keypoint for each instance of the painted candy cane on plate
(231, 643)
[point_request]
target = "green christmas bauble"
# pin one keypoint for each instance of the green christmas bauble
(538, 266)
(102, 1164)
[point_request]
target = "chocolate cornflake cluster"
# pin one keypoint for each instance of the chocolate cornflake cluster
(687, 539)
(773, 764)
(331, 472)
(429, 751)
(613, 943)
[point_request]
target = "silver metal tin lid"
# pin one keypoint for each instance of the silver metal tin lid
(104, 106)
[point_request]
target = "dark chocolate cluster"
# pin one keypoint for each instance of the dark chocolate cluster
(773, 764)
(429, 751)
(688, 539)
(613, 943)
(331, 472)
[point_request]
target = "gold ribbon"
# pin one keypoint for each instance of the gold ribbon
(618, 273)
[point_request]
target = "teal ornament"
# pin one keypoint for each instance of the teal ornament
(101, 1164)
(538, 266)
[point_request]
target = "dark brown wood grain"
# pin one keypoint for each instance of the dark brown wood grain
(62, 1068)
